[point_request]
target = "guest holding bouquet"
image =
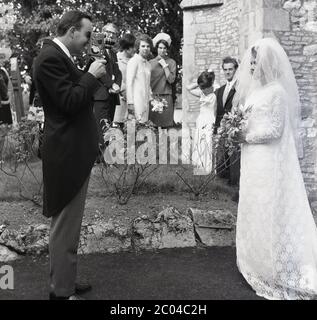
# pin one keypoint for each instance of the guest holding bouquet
(163, 75)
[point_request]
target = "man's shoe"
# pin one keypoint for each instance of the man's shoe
(75, 297)
(82, 287)
(71, 297)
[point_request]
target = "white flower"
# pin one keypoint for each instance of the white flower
(159, 105)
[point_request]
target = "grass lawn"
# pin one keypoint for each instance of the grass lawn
(160, 190)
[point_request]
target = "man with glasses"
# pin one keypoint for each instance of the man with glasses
(107, 96)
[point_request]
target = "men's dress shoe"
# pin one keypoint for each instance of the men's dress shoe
(76, 297)
(82, 287)
(71, 297)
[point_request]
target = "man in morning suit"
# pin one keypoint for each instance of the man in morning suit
(70, 144)
(225, 96)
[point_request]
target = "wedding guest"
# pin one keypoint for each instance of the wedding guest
(139, 91)
(5, 108)
(202, 156)
(228, 166)
(127, 50)
(107, 96)
(163, 75)
(276, 236)
(70, 144)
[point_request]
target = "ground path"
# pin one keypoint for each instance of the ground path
(181, 274)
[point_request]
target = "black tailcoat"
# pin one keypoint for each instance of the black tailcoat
(70, 143)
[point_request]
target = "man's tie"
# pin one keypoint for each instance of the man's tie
(225, 94)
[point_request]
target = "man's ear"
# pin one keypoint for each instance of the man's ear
(71, 31)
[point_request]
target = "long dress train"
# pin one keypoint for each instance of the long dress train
(276, 234)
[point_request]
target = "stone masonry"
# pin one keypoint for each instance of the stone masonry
(214, 29)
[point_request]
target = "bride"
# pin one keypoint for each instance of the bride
(276, 234)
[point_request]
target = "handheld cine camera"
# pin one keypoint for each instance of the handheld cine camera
(96, 46)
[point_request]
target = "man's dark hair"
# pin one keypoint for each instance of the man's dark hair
(70, 19)
(230, 60)
(127, 41)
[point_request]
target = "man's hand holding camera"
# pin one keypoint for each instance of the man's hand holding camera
(98, 68)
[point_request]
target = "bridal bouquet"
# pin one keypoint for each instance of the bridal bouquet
(231, 123)
(36, 114)
(159, 104)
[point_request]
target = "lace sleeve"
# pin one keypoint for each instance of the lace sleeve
(269, 123)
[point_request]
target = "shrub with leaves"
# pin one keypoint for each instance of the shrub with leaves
(125, 178)
(26, 136)
(18, 148)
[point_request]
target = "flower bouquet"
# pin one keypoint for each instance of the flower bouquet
(159, 104)
(36, 114)
(231, 124)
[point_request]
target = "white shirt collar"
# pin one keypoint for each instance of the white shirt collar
(232, 82)
(64, 48)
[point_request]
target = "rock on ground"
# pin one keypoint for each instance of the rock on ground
(215, 227)
(104, 237)
(7, 255)
(169, 230)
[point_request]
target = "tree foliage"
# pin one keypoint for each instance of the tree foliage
(38, 18)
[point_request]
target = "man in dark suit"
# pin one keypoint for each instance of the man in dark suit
(70, 144)
(107, 96)
(225, 96)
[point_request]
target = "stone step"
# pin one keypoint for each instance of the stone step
(170, 229)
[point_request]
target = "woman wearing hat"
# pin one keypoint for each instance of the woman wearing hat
(163, 75)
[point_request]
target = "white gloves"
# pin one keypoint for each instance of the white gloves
(163, 63)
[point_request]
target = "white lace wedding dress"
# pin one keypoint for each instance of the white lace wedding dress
(276, 233)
